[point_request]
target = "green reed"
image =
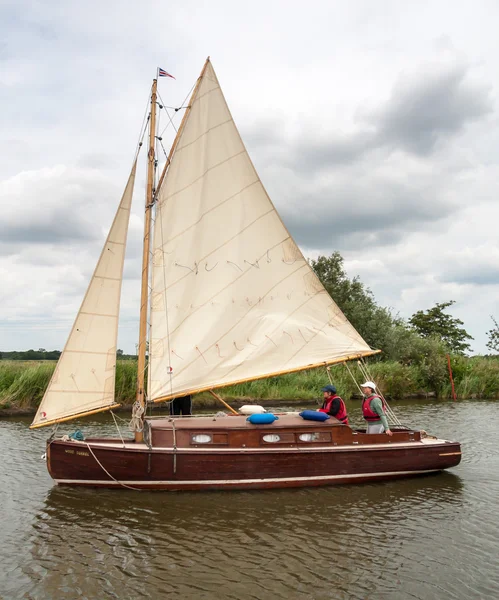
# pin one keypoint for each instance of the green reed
(22, 384)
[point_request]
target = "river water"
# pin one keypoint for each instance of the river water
(434, 537)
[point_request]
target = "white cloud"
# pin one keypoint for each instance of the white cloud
(373, 125)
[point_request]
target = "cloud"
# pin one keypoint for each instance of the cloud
(474, 266)
(359, 206)
(426, 107)
(373, 135)
(52, 206)
(430, 106)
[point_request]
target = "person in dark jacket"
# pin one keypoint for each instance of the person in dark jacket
(333, 405)
(181, 405)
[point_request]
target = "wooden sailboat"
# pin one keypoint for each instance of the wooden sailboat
(232, 299)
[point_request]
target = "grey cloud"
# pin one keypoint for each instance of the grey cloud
(55, 206)
(369, 211)
(425, 110)
(422, 111)
(319, 152)
(61, 228)
(478, 275)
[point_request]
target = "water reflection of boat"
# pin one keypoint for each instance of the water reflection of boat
(232, 299)
(65, 506)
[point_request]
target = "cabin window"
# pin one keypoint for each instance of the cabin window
(322, 436)
(308, 437)
(271, 438)
(201, 438)
(283, 437)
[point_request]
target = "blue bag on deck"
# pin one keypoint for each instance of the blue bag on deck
(262, 419)
(314, 415)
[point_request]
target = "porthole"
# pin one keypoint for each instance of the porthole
(201, 438)
(271, 437)
(308, 437)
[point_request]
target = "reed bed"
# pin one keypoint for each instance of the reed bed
(22, 384)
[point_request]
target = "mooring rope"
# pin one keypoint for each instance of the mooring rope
(109, 474)
(136, 422)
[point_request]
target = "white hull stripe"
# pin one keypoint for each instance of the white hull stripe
(229, 482)
(269, 448)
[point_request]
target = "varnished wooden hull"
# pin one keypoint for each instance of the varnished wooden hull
(99, 463)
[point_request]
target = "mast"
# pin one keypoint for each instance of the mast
(145, 258)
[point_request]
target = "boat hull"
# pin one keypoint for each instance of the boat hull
(97, 463)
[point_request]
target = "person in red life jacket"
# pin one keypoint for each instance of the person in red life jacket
(373, 409)
(333, 405)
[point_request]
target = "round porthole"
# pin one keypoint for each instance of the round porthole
(308, 437)
(201, 438)
(271, 437)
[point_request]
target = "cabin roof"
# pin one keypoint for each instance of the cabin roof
(238, 422)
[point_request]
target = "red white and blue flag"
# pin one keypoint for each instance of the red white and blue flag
(163, 73)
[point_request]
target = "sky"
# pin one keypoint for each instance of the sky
(373, 126)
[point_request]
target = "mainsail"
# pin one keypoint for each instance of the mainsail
(233, 298)
(84, 379)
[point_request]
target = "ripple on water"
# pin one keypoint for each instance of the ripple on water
(430, 538)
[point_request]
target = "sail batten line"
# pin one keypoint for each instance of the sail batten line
(204, 134)
(262, 216)
(213, 385)
(201, 96)
(213, 208)
(166, 198)
(308, 342)
(248, 270)
(276, 329)
(106, 278)
(226, 333)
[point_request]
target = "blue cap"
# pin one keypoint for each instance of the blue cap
(329, 388)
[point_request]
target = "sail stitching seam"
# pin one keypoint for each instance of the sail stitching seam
(213, 208)
(204, 134)
(222, 162)
(241, 319)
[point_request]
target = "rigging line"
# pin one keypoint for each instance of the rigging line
(182, 106)
(141, 139)
(353, 378)
(119, 431)
(145, 121)
(170, 122)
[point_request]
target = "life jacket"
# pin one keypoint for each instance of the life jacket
(369, 414)
(341, 414)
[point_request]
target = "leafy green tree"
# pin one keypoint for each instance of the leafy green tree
(493, 334)
(355, 300)
(434, 323)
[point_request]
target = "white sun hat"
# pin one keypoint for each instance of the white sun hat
(369, 384)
